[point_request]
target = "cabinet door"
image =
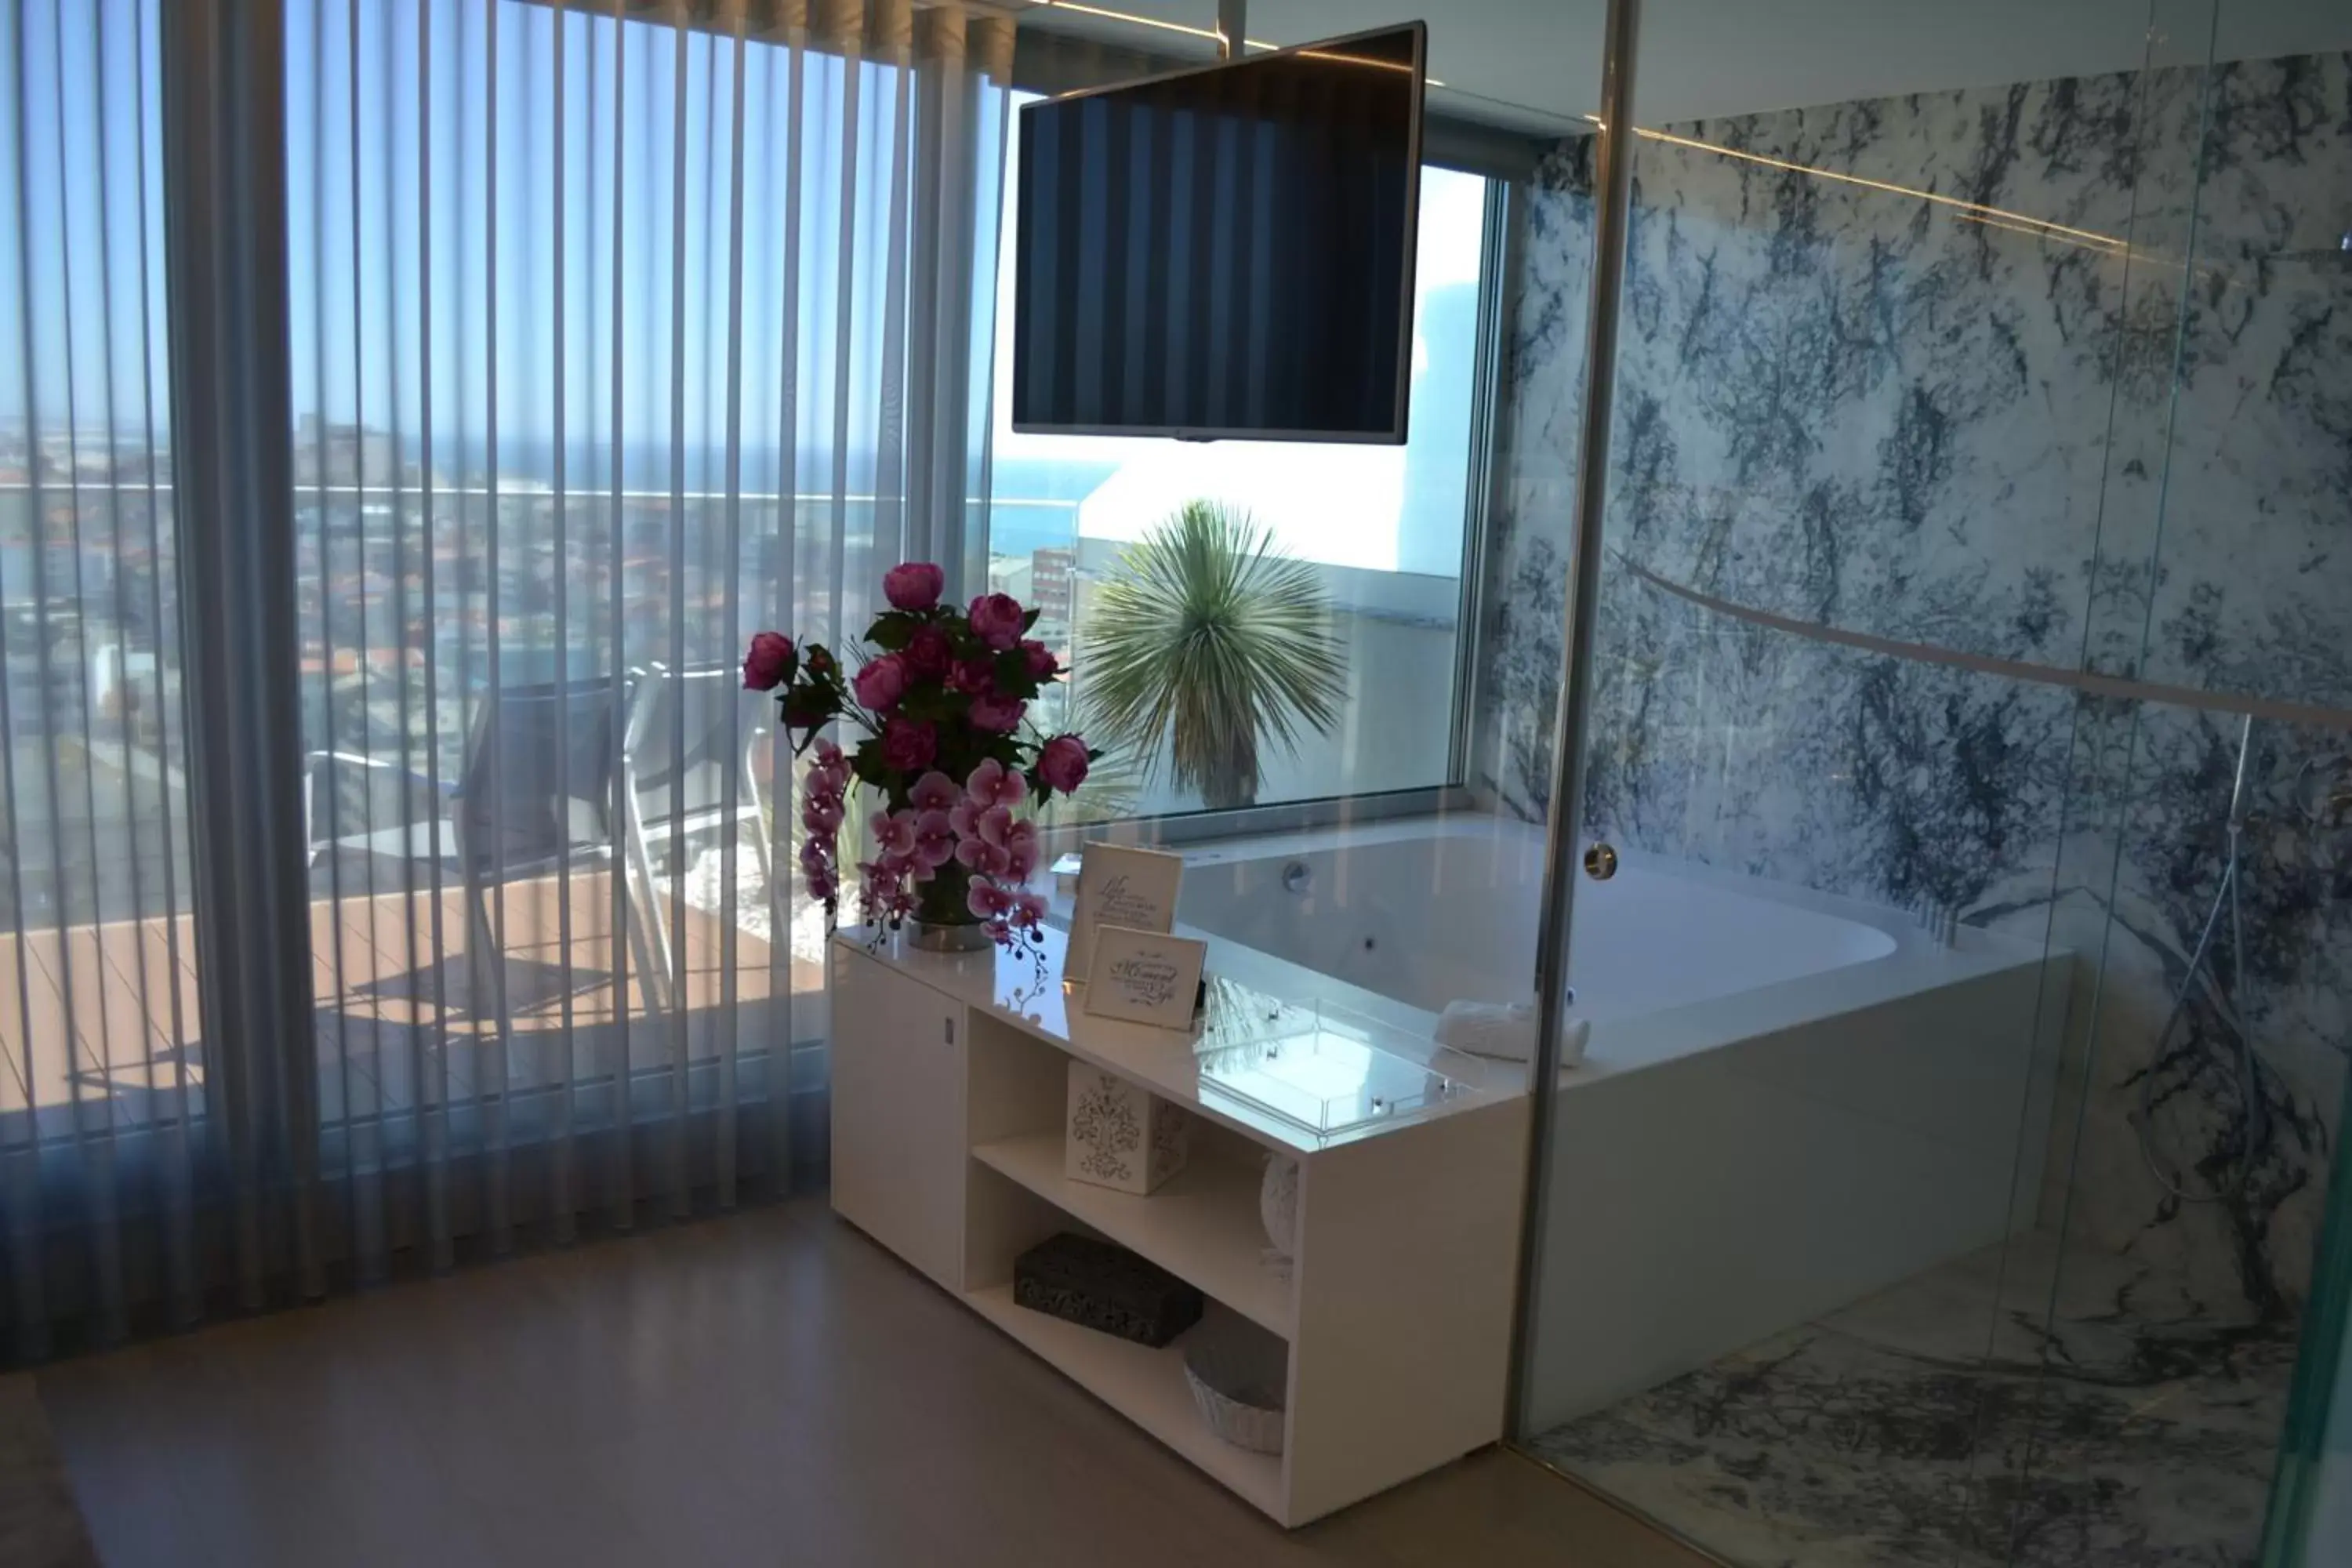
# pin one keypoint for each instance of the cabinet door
(898, 1152)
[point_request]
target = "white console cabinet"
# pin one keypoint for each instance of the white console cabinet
(948, 1099)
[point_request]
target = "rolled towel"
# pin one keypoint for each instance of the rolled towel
(1505, 1032)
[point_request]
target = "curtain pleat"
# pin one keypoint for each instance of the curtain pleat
(618, 332)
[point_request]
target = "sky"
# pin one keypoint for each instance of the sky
(383, 217)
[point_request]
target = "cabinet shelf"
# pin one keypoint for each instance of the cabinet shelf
(1201, 1225)
(1143, 1385)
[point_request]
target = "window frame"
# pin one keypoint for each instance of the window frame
(1051, 63)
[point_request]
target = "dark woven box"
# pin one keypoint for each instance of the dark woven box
(1104, 1287)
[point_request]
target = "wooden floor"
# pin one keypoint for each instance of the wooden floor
(392, 1023)
(770, 1388)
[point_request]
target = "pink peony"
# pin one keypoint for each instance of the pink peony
(909, 746)
(1062, 763)
(934, 792)
(769, 662)
(988, 901)
(913, 584)
(996, 620)
(997, 715)
(1043, 665)
(881, 683)
(993, 783)
(929, 653)
(974, 676)
(935, 839)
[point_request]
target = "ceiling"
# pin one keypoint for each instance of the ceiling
(1535, 64)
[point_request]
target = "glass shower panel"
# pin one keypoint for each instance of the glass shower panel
(2212, 795)
(1878, 315)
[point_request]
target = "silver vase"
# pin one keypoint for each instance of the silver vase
(947, 936)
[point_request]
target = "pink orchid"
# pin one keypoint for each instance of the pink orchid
(894, 833)
(828, 755)
(986, 858)
(822, 814)
(935, 839)
(1028, 910)
(964, 817)
(1021, 850)
(821, 884)
(988, 901)
(816, 853)
(993, 825)
(934, 792)
(993, 783)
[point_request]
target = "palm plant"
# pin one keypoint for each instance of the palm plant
(1205, 637)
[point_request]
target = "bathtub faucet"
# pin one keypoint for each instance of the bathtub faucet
(1297, 877)
(1941, 921)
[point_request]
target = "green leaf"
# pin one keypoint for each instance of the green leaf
(1205, 639)
(1029, 618)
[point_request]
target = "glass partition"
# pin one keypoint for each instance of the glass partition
(1963, 941)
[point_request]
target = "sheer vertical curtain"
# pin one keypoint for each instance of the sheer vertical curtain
(616, 332)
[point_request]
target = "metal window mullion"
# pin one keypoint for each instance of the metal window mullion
(558, 1081)
(181, 1271)
(225, 210)
(623, 1194)
(676, 1138)
(729, 588)
(1497, 297)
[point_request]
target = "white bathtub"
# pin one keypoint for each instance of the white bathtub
(1791, 1100)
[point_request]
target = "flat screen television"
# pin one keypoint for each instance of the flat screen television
(1226, 251)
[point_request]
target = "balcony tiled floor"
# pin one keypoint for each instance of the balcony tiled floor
(392, 1023)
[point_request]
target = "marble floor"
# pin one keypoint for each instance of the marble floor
(1921, 1427)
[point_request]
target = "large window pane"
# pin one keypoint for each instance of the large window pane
(97, 978)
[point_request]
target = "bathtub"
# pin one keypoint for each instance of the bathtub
(1791, 1100)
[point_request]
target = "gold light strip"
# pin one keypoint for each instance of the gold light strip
(1216, 38)
(1999, 217)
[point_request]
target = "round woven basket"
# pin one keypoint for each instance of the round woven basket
(1237, 1372)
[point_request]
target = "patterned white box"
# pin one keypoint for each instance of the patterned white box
(1117, 1135)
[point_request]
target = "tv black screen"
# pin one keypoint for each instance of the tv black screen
(1226, 251)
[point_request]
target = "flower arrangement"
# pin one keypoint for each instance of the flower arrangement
(938, 707)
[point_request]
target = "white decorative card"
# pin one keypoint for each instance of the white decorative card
(1144, 976)
(1120, 884)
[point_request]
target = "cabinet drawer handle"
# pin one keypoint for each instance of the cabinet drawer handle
(947, 1026)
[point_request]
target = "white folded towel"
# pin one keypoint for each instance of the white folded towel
(1505, 1032)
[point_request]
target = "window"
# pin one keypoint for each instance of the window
(1383, 528)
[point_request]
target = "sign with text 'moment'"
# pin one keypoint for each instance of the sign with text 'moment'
(1144, 976)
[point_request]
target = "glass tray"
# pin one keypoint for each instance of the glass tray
(1322, 1069)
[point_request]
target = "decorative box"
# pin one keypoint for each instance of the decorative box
(1117, 1135)
(1106, 1288)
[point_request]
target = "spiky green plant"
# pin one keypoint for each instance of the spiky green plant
(1205, 637)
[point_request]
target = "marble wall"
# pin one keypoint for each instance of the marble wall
(2092, 412)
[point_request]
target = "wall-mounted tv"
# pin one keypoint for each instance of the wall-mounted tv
(1225, 251)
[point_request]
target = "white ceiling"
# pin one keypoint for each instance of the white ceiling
(1537, 63)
